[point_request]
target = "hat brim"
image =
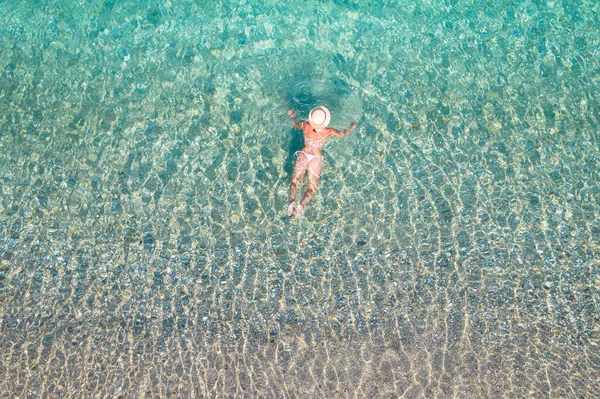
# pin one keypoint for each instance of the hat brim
(327, 117)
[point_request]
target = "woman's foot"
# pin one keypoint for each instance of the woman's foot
(298, 212)
(290, 209)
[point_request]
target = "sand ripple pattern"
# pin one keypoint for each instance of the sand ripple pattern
(452, 250)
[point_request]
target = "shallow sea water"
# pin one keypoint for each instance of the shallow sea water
(452, 249)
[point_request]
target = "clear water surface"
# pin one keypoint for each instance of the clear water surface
(145, 156)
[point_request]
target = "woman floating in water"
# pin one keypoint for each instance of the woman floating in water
(315, 134)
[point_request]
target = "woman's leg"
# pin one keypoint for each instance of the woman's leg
(314, 174)
(297, 177)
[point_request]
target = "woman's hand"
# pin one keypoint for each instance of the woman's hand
(292, 115)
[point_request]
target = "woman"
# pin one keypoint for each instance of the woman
(315, 134)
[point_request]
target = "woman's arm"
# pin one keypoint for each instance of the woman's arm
(297, 125)
(345, 133)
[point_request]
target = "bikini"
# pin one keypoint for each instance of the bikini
(312, 144)
(310, 157)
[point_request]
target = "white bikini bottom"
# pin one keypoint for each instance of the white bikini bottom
(310, 157)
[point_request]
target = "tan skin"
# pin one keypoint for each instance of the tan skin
(314, 140)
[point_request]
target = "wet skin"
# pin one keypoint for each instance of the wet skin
(310, 161)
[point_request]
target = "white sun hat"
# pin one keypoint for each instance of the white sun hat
(319, 117)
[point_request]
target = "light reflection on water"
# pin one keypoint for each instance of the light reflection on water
(451, 251)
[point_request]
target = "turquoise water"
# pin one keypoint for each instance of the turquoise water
(452, 249)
